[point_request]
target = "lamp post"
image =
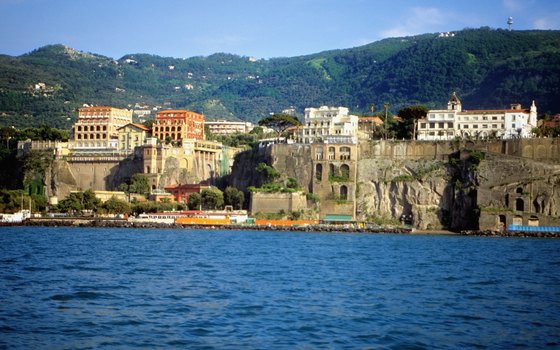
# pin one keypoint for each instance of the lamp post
(386, 105)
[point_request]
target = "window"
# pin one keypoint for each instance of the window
(441, 125)
(422, 125)
(319, 172)
(485, 118)
(343, 192)
(485, 126)
(475, 126)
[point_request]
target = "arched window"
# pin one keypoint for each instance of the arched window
(519, 190)
(331, 153)
(332, 170)
(345, 153)
(519, 205)
(343, 192)
(345, 171)
(319, 172)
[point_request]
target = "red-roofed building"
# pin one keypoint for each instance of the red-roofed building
(182, 192)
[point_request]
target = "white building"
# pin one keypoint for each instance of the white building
(329, 125)
(225, 127)
(446, 124)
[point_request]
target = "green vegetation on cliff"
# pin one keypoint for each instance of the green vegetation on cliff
(488, 69)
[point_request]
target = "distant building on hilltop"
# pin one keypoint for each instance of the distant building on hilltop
(446, 124)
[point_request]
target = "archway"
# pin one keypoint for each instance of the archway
(343, 192)
(519, 204)
(319, 172)
(332, 170)
(533, 221)
(345, 171)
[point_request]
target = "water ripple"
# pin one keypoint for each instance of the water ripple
(113, 288)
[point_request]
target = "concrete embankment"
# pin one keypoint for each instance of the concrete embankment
(508, 233)
(153, 225)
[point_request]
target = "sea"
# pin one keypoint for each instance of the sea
(106, 288)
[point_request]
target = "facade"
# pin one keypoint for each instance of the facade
(225, 127)
(178, 125)
(131, 136)
(182, 192)
(96, 128)
(329, 125)
(202, 161)
(446, 124)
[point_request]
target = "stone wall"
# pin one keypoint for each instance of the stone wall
(276, 202)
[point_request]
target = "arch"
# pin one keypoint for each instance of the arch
(519, 190)
(502, 220)
(519, 204)
(345, 171)
(533, 221)
(319, 172)
(343, 192)
(332, 170)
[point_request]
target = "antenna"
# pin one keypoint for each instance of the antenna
(510, 22)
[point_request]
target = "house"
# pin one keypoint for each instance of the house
(132, 135)
(446, 124)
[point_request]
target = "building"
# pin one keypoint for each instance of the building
(446, 124)
(329, 125)
(177, 125)
(132, 135)
(96, 128)
(368, 125)
(182, 192)
(225, 127)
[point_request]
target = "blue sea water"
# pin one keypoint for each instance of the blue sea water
(91, 288)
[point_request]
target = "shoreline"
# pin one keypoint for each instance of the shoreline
(121, 223)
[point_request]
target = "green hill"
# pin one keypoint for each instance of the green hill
(488, 69)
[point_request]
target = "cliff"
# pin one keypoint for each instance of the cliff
(434, 185)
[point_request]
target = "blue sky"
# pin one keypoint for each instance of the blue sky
(259, 28)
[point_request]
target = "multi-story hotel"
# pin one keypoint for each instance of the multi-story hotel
(329, 125)
(177, 125)
(225, 127)
(96, 128)
(446, 124)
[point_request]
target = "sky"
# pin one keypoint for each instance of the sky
(254, 28)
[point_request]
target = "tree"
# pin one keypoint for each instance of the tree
(212, 198)
(116, 206)
(193, 202)
(139, 184)
(269, 172)
(410, 115)
(279, 122)
(234, 197)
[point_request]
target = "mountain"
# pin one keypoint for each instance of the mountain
(487, 68)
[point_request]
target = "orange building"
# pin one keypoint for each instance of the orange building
(96, 127)
(178, 125)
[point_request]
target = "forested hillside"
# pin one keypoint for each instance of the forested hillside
(488, 69)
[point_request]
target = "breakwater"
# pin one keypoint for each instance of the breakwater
(122, 223)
